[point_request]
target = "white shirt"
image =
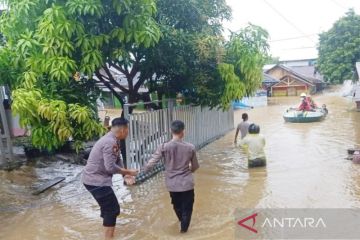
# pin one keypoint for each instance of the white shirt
(244, 128)
(254, 145)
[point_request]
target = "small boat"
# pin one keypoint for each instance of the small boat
(240, 105)
(295, 116)
(258, 100)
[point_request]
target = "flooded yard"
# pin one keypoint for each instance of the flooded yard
(306, 169)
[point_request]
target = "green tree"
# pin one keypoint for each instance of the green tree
(246, 54)
(57, 51)
(170, 66)
(339, 48)
(49, 42)
(191, 49)
(272, 60)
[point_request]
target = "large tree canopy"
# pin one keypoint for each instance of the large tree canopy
(192, 51)
(57, 51)
(175, 63)
(339, 49)
(48, 42)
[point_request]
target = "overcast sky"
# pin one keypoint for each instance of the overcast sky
(304, 18)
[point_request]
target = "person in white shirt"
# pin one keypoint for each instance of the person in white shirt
(254, 144)
(243, 127)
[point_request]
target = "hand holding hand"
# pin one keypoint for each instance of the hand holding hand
(129, 180)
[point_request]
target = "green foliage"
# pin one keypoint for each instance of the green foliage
(48, 42)
(339, 48)
(173, 46)
(194, 59)
(272, 60)
(246, 54)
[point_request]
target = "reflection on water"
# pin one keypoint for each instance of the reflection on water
(306, 168)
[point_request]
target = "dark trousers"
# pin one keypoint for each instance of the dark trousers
(258, 162)
(109, 206)
(183, 206)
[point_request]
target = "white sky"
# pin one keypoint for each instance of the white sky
(310, 17)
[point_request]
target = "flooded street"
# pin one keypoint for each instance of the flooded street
(306, 168)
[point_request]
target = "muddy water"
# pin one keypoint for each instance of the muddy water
(306, 168)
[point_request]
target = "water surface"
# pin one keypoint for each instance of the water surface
(306, 168)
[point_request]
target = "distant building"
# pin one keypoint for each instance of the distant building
(312, 74)
(107, 98)
(268, 82)
(295, 79)
(299, 62)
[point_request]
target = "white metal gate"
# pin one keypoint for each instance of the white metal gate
(150, 129)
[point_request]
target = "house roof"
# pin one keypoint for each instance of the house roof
(310, 72)
(269, 79)
(268, 66)
(295, 72)
(281, 82)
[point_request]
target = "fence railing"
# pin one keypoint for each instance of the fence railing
(5, 138)
(150, 129)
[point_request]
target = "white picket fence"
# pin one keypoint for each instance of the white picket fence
(150, 129)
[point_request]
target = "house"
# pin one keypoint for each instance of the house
(312, 74)
(268, 82)
(292, 82)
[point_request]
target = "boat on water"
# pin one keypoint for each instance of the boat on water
(294, 116)
(258, 100)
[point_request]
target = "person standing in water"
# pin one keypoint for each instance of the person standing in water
(254, 144)
(180, 162)
(243, 127)
(104, 161)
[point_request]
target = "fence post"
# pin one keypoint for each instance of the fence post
(171, 106)
(127, 141)
(6, 129)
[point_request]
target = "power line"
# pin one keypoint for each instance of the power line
(286, 19)
(293, 38)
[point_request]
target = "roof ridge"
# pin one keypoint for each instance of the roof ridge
(299, 75)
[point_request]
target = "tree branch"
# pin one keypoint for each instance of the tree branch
(113, 81)
(108, 85)
(118, 67)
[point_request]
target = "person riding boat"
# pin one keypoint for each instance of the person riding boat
(311, 102)
(305, 105)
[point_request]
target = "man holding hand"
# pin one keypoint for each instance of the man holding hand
(104, 161)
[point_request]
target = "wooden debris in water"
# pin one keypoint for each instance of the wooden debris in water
(42, 188)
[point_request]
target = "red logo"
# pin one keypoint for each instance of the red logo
(250, 228)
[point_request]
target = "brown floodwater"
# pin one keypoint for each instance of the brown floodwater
(306, 168)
